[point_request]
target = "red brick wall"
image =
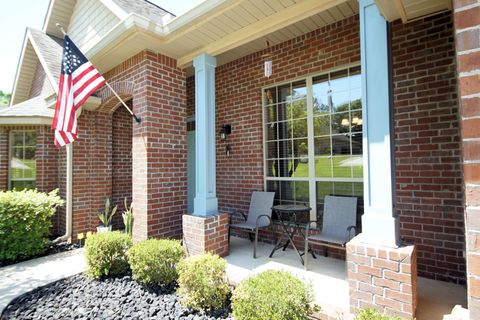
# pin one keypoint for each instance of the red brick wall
(428, 157)
(159, 143)
(121, 162)
(3, 158)
(429, 191)
(41, 84)
(467, 30)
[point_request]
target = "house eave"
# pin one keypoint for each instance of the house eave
(25, 120)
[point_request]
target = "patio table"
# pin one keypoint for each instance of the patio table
(287, 214)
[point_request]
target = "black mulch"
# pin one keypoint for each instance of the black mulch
(50, 249)
(78, 297)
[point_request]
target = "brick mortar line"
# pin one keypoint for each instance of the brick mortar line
(469, 73)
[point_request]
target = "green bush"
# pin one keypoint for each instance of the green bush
(106, 254)
(203, 282)
(153, 261)
(273, 295)
(372, 314)
(25, 222)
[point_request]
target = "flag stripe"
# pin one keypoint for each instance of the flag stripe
(78, 81)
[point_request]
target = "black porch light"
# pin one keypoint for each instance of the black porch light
(225, 131)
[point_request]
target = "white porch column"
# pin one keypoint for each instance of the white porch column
(379, 222)
(205, 203)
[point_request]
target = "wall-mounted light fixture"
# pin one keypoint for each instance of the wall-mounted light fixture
(225, 131)
(228, 150)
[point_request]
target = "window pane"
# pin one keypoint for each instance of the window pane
(270, 96)
(357, 143)
(341, 101)
(356, 99)
(300, 167)
(30, 139)
(302, 192)
(284, 166)
(341, 122)
(20, 185)
(285, 130)
(285, 149)
(299, 128)
(299, 90)
(299, 109)
(322, 146)
(300, 148)
(282, 112)
(358, 189)
(323, 167)
(17, 139)
(321, 105)
(339, 81)
(342, 167)
(321, 125)
(271, 113)
(272, 150)
(17, 152)
(343, 188)
(357, 166)
(29, 153)
(357, 121)
(271, 130)
(341, 145)
(284, 93)
(272, 168)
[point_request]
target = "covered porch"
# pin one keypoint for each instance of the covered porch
(328, 278)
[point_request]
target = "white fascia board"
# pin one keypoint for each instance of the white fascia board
(28, 120)
(19, 66)
(92, 103)
(43, 62)
(48, 16)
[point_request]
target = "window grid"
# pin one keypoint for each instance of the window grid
(20, 161)
(272, 102)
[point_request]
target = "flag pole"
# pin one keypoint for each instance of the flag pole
(59, 26)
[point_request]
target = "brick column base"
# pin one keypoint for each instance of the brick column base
(383, 278)
(206, 234)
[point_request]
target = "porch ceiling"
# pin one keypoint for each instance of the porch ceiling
(227, 29)
(409, 10)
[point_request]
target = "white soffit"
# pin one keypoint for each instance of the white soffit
(410, 10)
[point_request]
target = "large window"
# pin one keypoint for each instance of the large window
(22, 167)
(313, 138)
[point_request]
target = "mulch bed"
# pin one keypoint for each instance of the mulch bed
(51, 249)
(78, 297)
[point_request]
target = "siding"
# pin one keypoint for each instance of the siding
(90, 21)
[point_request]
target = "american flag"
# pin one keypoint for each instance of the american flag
(78, 80)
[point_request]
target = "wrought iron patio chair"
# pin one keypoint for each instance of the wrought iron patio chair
(259, 217)
(339, 220)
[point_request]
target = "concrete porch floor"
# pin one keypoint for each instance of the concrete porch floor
(327, 276)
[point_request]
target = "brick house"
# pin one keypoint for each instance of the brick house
(374, 99)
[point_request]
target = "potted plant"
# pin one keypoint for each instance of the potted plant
(128, 217)
(106, 217)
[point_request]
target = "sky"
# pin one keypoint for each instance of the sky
(31, 13)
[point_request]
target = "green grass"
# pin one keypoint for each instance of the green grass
(323, 168)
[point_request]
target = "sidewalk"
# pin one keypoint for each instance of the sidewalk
(22, 277)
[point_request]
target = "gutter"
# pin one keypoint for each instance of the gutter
(69, 198)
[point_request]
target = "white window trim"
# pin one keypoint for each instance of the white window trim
(312, 180)
(10, 155)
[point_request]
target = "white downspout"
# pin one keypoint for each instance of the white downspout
(68, 228)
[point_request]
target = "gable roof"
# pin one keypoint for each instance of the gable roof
(40, 48)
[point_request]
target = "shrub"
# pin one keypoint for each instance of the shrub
(203, 282)
(25, 222)
(153, 261)
(373, 314)
(274, 295)
(106, 254)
